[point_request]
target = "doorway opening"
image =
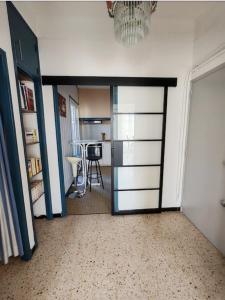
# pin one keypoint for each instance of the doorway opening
(85, 127)
(142, 103)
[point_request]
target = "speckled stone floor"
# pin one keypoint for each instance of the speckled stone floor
(158, 257)
(98, 201)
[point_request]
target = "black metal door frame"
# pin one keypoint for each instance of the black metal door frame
(114, 82)
(114, 93)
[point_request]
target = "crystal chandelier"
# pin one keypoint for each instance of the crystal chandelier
(131, 20)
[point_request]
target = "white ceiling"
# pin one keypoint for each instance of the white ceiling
(46, 17)
(97, 9)
(184, 9)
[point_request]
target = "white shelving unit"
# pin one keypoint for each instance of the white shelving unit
(31, 144)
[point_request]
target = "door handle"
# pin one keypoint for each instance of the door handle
(222, 202)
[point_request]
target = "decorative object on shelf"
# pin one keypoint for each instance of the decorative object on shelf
(131, 20)
(27, 95)
(103, 136)
(31, 135)
(62, 106)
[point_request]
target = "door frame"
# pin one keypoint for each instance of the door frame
(54, 81)
(114, 92)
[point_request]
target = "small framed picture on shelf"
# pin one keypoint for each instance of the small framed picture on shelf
(62, 106)
(31, 135)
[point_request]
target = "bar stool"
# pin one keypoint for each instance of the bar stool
(94, 154)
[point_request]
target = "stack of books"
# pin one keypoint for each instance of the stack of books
(37, 189)
(31, 135)
(34, 166)
(27, 95)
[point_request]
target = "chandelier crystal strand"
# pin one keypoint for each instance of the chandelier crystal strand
(131, 21)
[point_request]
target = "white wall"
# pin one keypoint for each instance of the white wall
(52, 149)
(198, 204)
(78, 39)
(66, 133)
(167, 52)
(209, 33)
(5, 44)
(30, 13)
(209, 41)
(208, 56)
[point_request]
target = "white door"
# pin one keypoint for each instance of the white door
(139, 115)
(204, 184)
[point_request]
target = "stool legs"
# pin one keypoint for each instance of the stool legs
(90, 175)
(98, 173)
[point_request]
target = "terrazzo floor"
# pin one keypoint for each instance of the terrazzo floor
(158, 257)
(98, 201)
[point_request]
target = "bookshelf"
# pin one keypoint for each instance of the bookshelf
(27, 68)
(30, 129)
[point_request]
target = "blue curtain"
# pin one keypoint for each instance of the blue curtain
(10, 235)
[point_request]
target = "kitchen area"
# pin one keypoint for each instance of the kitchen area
(86, 139)
(95, 118)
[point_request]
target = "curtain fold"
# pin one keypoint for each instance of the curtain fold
(10, 235)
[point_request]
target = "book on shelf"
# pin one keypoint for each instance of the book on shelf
(31, 135)
(38, 165)
(29, 168)
(27, 95)
(34, 166)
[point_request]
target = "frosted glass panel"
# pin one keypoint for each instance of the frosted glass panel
(137, 127)
(130, 200)
(141, 153)
(136, 177)
(139, 99)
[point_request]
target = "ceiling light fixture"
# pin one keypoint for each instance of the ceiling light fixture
(131, 20)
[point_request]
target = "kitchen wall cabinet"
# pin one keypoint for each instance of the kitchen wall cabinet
(94, 103)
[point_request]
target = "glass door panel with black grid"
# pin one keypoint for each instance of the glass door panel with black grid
(139, 116)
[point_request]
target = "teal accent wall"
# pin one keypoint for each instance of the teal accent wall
(59, 150)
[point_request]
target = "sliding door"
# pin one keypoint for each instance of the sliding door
(139, 122)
